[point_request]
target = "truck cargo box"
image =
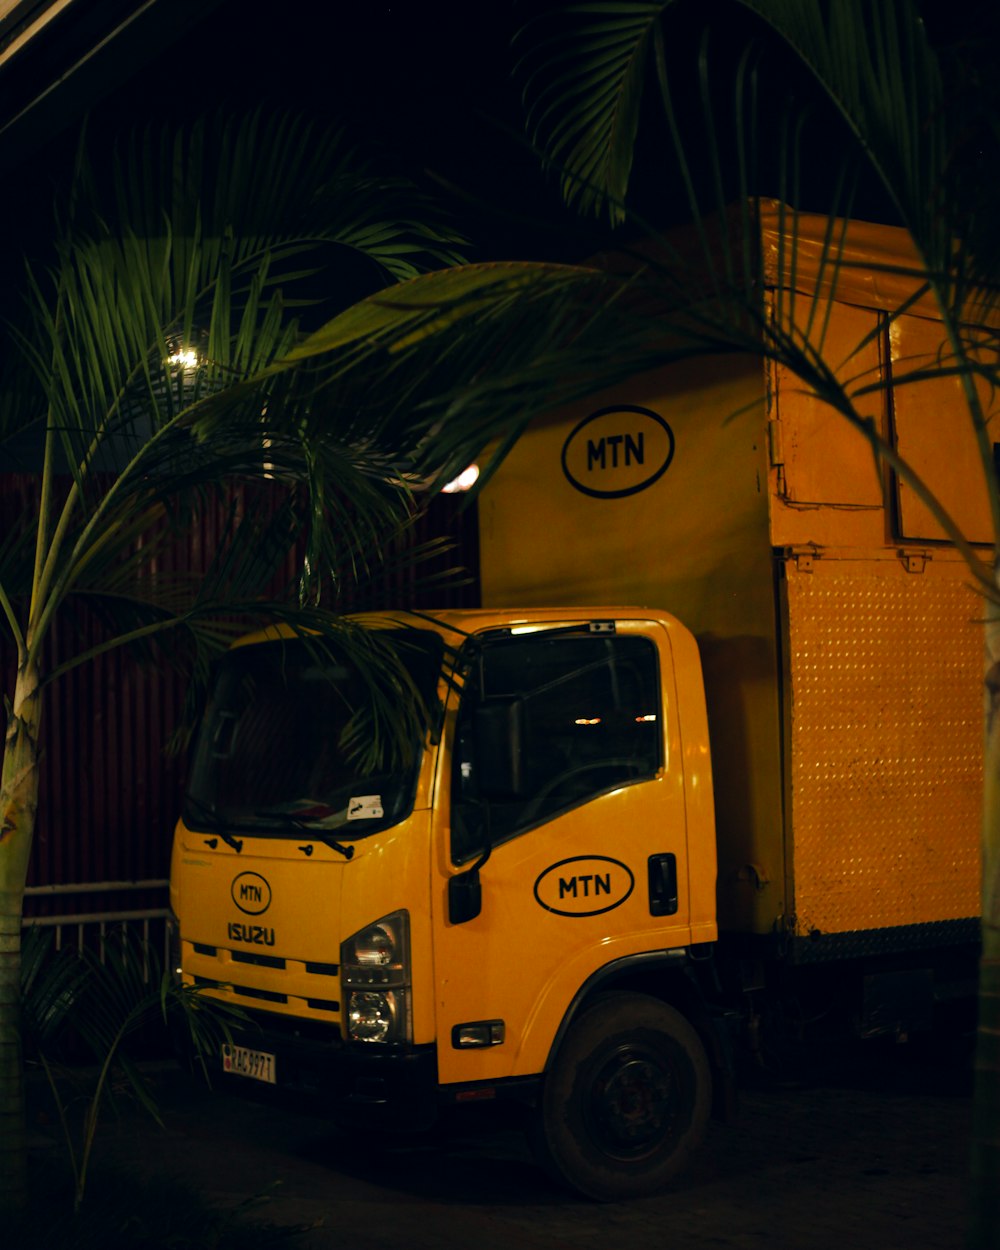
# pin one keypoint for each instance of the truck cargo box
(840, 637)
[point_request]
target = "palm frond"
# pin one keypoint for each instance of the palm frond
(582, 70)
(184, 266)
(52, 985)
(875, 65)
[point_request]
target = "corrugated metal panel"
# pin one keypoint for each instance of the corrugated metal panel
(109, 792)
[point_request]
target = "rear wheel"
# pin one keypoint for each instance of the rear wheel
(626, 1100)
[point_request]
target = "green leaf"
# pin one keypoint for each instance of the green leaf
(582, 70)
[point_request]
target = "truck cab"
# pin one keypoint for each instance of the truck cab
(486, 917)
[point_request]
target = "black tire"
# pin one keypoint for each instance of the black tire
(626, 1099)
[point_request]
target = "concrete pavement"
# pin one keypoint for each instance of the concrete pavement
(873, 1159)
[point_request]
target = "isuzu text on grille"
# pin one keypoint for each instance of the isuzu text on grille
(256, 934)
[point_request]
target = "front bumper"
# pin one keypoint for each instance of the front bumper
(371, 1085)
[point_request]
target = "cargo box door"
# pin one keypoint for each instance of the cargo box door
(883, 730)
(919, 408)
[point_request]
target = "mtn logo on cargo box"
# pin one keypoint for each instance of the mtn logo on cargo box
(617, 451)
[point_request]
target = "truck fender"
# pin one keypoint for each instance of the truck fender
(641, 972)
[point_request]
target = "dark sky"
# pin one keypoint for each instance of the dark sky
(429, 82)
(425, 87)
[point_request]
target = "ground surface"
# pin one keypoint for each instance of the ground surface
(871, 1157)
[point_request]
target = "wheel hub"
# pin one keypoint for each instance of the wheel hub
(631, 1103)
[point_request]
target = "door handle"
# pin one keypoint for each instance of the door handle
(662, 871)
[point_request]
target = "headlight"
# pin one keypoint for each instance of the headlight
(375, 978)
(372, 1016)
(375, 947)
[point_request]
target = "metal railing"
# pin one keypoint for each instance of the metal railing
(150, 923)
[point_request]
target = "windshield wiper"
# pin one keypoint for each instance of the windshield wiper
(208, 813)
(311, 827)
(316, 830)
(320, 836)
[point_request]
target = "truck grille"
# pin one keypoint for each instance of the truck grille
(248, 991)
(261, 961)
(294, 994)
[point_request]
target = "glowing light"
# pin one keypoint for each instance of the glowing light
(641, 720)
(587, 720)
(465, 481)
(184, 358)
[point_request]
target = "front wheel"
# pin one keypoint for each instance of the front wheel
(626, 1100)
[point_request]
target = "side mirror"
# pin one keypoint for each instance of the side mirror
(465, 896)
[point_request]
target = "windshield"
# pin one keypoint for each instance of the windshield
(278, 746)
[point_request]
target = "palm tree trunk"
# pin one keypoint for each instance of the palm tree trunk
(985, 1209)
(18, 806)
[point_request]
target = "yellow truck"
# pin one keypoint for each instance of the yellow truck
(626, 844)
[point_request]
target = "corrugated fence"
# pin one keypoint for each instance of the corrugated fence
(110, 792)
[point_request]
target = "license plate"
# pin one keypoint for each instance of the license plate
(258, 1065)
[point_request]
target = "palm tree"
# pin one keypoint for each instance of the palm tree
(164, 354)
(844, 104)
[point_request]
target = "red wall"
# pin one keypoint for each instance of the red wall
(109, 791)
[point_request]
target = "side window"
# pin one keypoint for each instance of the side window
(546, 723)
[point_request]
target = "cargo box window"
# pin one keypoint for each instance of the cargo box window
(548, 722)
